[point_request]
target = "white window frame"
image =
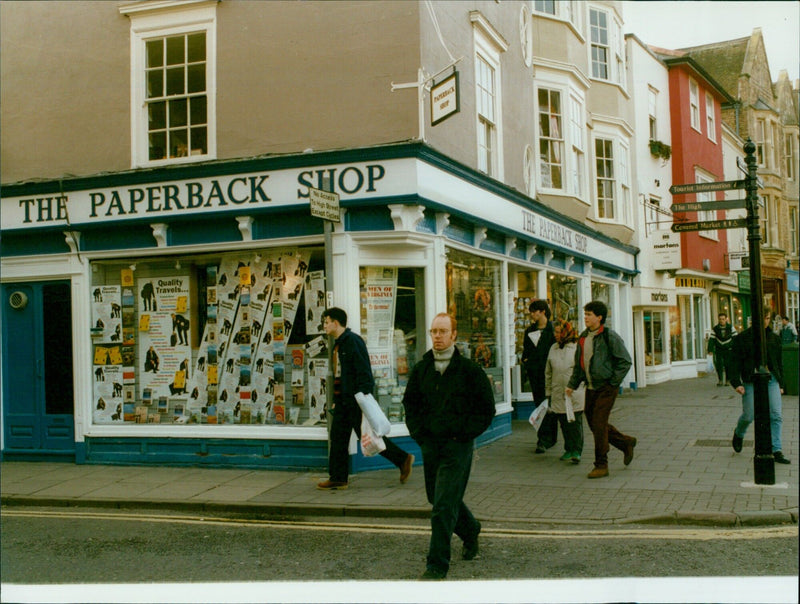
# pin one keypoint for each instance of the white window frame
(694, 105)
(542, 10)
(621, 142)
(652, 111)
(760, 139)
(793, 230)
(711, 118)
(596, 41)
(488, 45)
(624, 162)
(765, 220)
(703, 197)
(168, 18)
(556, 138)
(790, 155)
(614, 211)
(577, 140)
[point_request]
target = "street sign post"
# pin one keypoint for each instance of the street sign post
(709, 206)
(709, 225)
(743, 167)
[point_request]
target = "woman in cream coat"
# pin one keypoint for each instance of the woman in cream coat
(560, 361)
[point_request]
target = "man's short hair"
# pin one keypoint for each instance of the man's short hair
(722, 314)
(453, 322)
(598, 308)
(335, 314)
(540, 305)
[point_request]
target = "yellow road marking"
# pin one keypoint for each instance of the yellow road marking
(677, 533)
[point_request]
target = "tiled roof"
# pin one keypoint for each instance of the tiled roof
(725, 61)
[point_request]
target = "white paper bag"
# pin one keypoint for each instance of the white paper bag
(371, 444)
(570, 410)
(374, 414)
(537, 417)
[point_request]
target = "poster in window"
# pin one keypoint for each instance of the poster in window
(165, 347)
(107, 313)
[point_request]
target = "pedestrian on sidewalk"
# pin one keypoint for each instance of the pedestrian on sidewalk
(788, 331)
(721, 341)
(602, 361)
(536, 345)
(743, 367)
(560, 362)
(448, 402)
(351, 374)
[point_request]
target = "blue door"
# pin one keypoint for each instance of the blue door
(38, 399)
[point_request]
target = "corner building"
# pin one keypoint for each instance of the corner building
(162, 274)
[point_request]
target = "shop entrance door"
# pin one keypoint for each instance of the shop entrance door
(38, 399)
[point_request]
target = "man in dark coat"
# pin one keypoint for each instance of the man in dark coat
(742, 369)
(351, 374)
(538, 340)
(722, 339)
(449, 402)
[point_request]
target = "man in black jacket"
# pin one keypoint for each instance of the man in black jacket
(742, 369)
(351, 374)
(448, 402)
(722, 338)
(539, 338)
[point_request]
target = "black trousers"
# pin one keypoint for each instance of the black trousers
(722, 362)
(447, 465)
(346, 419)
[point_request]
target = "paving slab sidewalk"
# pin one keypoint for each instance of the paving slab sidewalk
(684, 471)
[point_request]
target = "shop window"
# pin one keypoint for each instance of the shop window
(686, 329)
(737, 314)
(653, 338)
(604, 292)
(526, 293)
(562, 295)
(393, 325)
(473, 298)
(214, 339)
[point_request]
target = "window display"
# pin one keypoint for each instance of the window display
(231, 339)
(653, 338)
(603, 292)
(473, 298)
(391, 313)
(562, 294)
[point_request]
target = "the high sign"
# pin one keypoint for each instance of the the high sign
(706, 206)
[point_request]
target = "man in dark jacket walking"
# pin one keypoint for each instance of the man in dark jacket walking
(539, 338)
(448, 402)
(722, 339)
(742, 369)
(602, 361)
(351, 374)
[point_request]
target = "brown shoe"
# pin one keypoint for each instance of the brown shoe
(598, 473)
(405, 469)
(331, 485)
(629, 452)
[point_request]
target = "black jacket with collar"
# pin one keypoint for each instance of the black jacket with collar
(743, 363)
(356, 372)
(457, 405)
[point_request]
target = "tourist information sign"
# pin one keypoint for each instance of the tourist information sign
(703, 187)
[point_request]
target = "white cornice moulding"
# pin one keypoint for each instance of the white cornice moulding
(246, 227)
(160, 233)
(406, 217)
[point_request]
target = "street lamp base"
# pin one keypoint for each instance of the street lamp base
(764, 469)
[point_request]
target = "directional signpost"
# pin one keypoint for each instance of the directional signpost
(763, 462)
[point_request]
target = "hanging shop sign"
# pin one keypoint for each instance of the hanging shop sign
(666, 250)
(445, 99)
